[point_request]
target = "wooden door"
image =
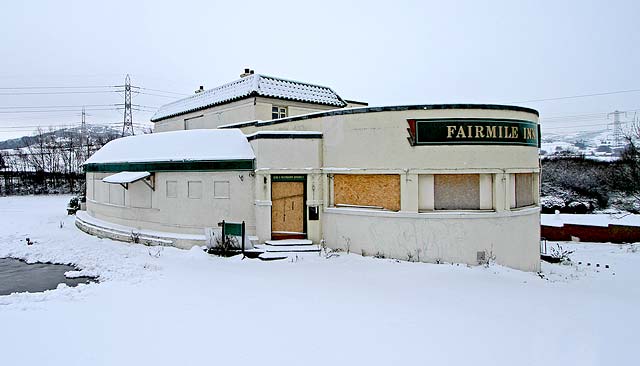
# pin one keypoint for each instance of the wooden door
(287, 208)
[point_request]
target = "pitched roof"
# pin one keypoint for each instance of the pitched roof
(176, 146)
(252, 85)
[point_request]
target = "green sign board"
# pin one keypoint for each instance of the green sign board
(473, 131)
(288, 178)
(233, 229)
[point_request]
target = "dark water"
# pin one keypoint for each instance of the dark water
(18, 276)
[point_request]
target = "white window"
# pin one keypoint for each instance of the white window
(221, 189)
(278, 112)
(172, 189)
(194, 188)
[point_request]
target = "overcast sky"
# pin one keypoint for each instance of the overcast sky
(384, 53)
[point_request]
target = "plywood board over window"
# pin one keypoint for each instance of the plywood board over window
(524, 189)
(456, 191)
(370, 190)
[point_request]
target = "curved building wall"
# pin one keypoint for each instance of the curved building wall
(433, 224)
(182, 202)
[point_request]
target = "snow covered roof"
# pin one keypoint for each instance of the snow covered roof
(176, 146)
(252, 85)
(125, 177)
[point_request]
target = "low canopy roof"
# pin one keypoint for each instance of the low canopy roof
(176, 146)
(125, 177)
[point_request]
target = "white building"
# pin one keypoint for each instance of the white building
(435, 183)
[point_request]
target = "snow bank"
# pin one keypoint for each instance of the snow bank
(164, 306)
(559, 220)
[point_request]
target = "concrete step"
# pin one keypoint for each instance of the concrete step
(288, 242)
(272, 256)
(289, 248)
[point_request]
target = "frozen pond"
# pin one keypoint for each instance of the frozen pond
(18, 276)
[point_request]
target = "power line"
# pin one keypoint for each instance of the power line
(57, 87)
(58, 106)
(164, 91)
(56, 110)
(591, 125)
(157, 95)
(579, 96)
(62, 92)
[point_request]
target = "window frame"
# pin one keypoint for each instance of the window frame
(278, 111)
(228, 193)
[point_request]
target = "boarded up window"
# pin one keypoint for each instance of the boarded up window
(524, 189)
(172, 189)
(140, 195)
(194, 189)
(221, 189)
(456, 191)
(116, 194)
(376, 190)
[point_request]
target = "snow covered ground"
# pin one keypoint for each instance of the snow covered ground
(176, 307)
(593, 219)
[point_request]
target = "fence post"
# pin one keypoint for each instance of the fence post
(243, 235)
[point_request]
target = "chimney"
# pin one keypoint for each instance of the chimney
(200, 90)
(246, 72)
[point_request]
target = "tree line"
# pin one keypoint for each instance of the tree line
(51, 162)
(580, 185)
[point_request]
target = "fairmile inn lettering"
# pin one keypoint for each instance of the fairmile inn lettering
(473, 131)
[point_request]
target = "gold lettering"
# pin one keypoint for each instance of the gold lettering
(450, 131)
(470, 134)
(491, 131)
(514, 132)
(479, 131)
(461, 133)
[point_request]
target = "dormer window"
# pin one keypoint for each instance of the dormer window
(278, 112)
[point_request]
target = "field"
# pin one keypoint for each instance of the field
(165, 306)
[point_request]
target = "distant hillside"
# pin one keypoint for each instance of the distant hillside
(594, 144)
(99, 132)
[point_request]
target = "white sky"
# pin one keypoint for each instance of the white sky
(385, 53)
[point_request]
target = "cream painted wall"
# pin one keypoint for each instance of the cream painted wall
(180, 214)
(376, 142)
(287, 156)
(294, 108)
(241, 110)
(249, 109)
(513, 239)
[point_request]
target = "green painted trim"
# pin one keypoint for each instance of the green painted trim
(168, 166)
(273, 136)
(475, 131)
(288, 178)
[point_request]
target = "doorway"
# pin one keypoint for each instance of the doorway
(288, 198)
